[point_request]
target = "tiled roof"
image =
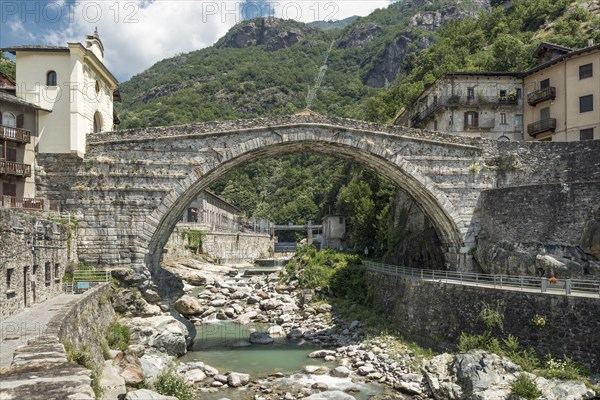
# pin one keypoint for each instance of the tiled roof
(34, 47)
(9, 98)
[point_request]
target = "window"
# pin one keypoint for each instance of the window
(8, 119)
(435, 126)
(341, 220)
(503, 93)
(518, 120)
(519, 93)
(585, 71)
(51, 78)
(545, 83)
(544, 113)
(47, 273)
(9, 274)
(56, 268)
(586, 103)
(470, 93)
(9, 189)
(502, 118)
(97, 122)
(471, 119)
(586, 134)
(97, 87)
(11, 154)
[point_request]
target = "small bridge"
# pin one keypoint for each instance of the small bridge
(132, 187)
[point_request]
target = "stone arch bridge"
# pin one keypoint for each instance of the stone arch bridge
(132, 186)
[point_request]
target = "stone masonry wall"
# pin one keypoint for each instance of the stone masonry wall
(434, 315)
(518, 224)
(226, 247)
(84, 323)
(33, 258)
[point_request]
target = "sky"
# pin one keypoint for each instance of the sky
(138, 33)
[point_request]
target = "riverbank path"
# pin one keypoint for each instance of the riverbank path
(30, 323)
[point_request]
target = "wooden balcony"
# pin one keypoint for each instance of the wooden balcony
(22, 202)
(537, 96)
(15, 169)
(545, 125)
(15, 134)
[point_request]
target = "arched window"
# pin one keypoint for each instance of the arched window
(97, 122)
(8, 119)
(51, 78)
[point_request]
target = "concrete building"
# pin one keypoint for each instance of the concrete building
(563, 94)
(74, 84)
(334, 232)
(212, 212)
(476, 104)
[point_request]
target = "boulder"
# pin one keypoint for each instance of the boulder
(340, 372)
(188, 305)
(236, 379)
(194, 375)
(320, 386)
(260, 338)
(554, 389)
(330, 395)
(324, 308)
(276, 331)
(153, 364)
(146, 394)
(321, 353)
(315, 369)
(130, 367)
(164, 333)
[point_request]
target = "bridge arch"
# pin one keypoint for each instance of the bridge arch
(361, 147)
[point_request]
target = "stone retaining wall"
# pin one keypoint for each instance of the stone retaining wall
(84, 322)
(434, 315)
(226, 247)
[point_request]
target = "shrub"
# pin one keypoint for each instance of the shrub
(525, 387)
(118, 336)
(168, 383)
(562, 369)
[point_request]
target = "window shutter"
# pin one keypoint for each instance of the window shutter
(476, 119)
(0, 117)
(466, 120)
(20, 120)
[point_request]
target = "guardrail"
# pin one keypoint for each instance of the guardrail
(580, 287)
(86, 279)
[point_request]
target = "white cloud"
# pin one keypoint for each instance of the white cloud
(138, 33)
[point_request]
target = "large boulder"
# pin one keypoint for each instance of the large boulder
(130, 367)
(188, 305)
(147, 394)
(236, 379)
(153, 363)
(164, 333)
(553, 389)
(260, 338)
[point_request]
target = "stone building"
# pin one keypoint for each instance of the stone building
(563, 94)
(476, 104)
(212, 212)
(334, 232)
(33, 257)
(74, 84)
(18, 138)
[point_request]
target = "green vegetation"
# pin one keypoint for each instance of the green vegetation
(525, 387)
(194, 238)
(118, 336)
(7, 66)
(83, 356)
(168, 383)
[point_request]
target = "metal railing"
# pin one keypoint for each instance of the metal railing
(537, 96)
(15, 134)
(22, 202)
(85, 279)
(580, 287)
(544, 125)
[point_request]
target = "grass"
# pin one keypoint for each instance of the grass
(118, 336)
(168, 383)
(525, 387)
(83, 356)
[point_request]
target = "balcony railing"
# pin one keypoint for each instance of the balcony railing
(22, 202)
(15, 168)
(537, 96)
(457, 100)
(545, 125)
(15, 134)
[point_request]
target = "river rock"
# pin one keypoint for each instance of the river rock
(412, 388)
(220, 378)
(315, 369)
(322, 353)
(320, 386)
(276, 331)
(153, 364)
(129, 368)
(188, 305)
(164, 333)
(236, 379)
(147, 394)
(241, 343)
(260, 338)
(270, 304)
(366, 370)
(194, 375)
(330, 395)
(324, 308)
(218, 302)
(554, 389)
(151, 295)
(340, 372)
